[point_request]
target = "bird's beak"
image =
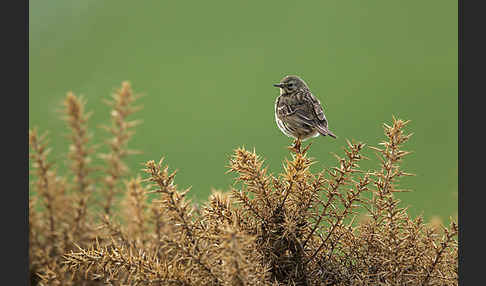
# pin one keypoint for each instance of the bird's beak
(279, 85)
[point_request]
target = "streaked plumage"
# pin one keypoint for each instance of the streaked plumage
(298, 112)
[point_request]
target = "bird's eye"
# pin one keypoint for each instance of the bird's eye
(290, 85)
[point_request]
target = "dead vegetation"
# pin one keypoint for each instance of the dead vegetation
(295, 228)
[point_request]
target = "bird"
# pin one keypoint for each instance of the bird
(298, 112)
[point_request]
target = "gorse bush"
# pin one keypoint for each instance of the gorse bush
(340, 226)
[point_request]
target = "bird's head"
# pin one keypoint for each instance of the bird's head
(290, 84)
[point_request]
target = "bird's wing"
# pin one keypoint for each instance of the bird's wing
(303, 116)
(322, 125)
(316, 106)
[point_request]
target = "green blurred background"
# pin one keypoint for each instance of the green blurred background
(207, 69)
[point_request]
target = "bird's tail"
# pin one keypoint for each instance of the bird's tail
(331, 134)
(325, 131)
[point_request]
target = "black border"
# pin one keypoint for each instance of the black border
(471, 78)
(25, 131)
(15, 187)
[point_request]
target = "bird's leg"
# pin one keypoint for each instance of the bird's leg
(296, 145)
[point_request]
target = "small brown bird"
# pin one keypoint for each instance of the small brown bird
(298, 113)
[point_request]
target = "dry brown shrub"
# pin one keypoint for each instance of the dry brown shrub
(340, 226)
